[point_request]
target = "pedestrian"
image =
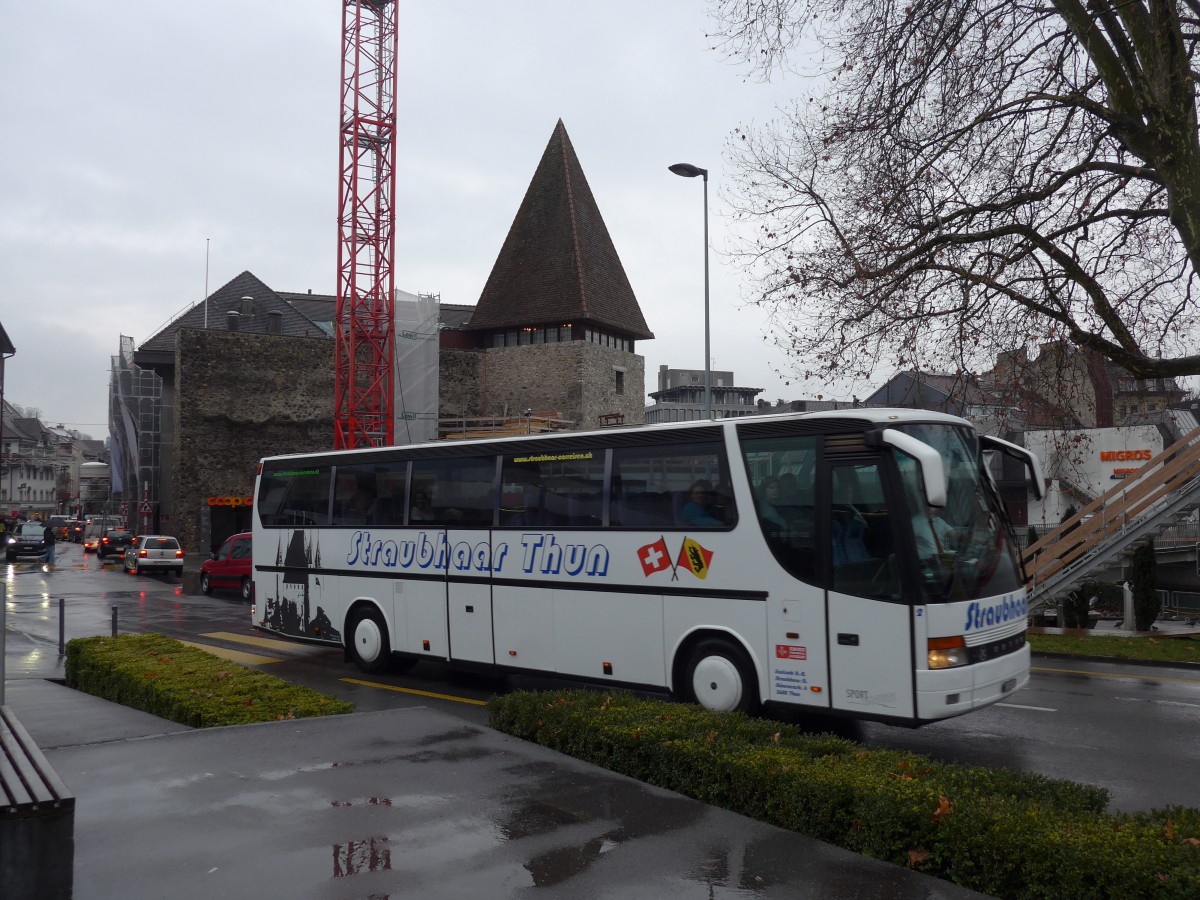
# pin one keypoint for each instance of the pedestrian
(48, 541)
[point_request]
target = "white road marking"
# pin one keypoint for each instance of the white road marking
(1023, 706)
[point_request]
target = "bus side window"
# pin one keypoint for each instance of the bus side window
(462, 492)
(295, 499)
(658, 484)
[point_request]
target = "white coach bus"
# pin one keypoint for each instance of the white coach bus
(856, 562)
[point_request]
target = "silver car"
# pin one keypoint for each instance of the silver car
(154, 553)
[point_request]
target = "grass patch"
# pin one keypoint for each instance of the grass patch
(1140, 648)
(1006, 834)
(161, 676)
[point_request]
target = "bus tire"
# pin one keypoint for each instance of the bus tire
(720, 677)
(369, 640)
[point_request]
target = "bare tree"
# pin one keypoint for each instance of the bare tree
(961, 178)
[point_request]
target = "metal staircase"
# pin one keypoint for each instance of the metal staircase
(1161, 493)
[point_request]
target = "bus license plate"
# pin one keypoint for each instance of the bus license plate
(1008, 685)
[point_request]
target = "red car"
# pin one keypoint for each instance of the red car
(230, 567)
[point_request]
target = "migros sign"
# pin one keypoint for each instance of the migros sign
(1125, 455)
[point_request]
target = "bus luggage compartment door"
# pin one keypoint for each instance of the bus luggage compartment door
(870, 656)
(469, 596)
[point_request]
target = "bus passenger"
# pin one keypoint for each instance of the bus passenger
(773, 520)
(698, 509)
(362, 506)
(420, 511)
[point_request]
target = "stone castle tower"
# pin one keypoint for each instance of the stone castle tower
(557, 322)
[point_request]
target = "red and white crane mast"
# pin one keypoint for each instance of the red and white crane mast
(365, 329)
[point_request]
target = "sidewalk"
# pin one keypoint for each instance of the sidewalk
(408, 802)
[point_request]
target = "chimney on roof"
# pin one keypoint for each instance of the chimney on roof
(274, 322)
(231, 320)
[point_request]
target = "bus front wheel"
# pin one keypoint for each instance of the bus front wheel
(720, 677)
(369, 640)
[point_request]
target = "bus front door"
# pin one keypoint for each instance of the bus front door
(870, 630)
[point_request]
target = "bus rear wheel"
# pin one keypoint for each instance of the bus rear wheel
(369, 641)
(720, 677)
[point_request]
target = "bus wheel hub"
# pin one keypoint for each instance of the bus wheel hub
(717, 683)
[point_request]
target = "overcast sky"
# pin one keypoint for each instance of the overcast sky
(136, 131)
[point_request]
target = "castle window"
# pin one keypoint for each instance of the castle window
(619, 383)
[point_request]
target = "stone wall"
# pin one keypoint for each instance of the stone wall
(240, 397)
(460, 374)
(575, 379)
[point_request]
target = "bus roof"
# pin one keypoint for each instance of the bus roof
(874, 415)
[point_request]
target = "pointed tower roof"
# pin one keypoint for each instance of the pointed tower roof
(558, 264)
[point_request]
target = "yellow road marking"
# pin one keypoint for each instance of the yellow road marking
(238, 656)
(268, 643)
(401, 690)
(1113, 674)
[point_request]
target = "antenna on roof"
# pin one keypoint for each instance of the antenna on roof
(206, 240)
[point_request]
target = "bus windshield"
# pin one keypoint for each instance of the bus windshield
(964, 549)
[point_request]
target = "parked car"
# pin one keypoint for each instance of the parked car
(154, 553)
(114, 543)
(27, 539)
(229, 567)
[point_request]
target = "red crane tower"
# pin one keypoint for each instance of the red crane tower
(365, 338)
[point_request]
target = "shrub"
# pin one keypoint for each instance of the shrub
(162, 676)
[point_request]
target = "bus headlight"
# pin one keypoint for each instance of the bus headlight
(947, 652)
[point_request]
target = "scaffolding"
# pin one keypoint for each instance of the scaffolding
(416, 391)
(135, 430)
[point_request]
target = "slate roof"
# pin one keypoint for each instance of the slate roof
(229, 298)
(931, 390)
(455, 316)
(322, 309)
(558, 264)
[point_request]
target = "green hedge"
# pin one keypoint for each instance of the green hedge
(162, 676)
(1007, 834)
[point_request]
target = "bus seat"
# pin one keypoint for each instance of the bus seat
(647, 508)
(847, 539)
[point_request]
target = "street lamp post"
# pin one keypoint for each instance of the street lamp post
(687, 170)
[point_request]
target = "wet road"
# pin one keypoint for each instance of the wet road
(1132, 729)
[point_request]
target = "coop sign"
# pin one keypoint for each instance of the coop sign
(230, 501)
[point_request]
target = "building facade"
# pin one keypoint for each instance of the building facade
(680, 396)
